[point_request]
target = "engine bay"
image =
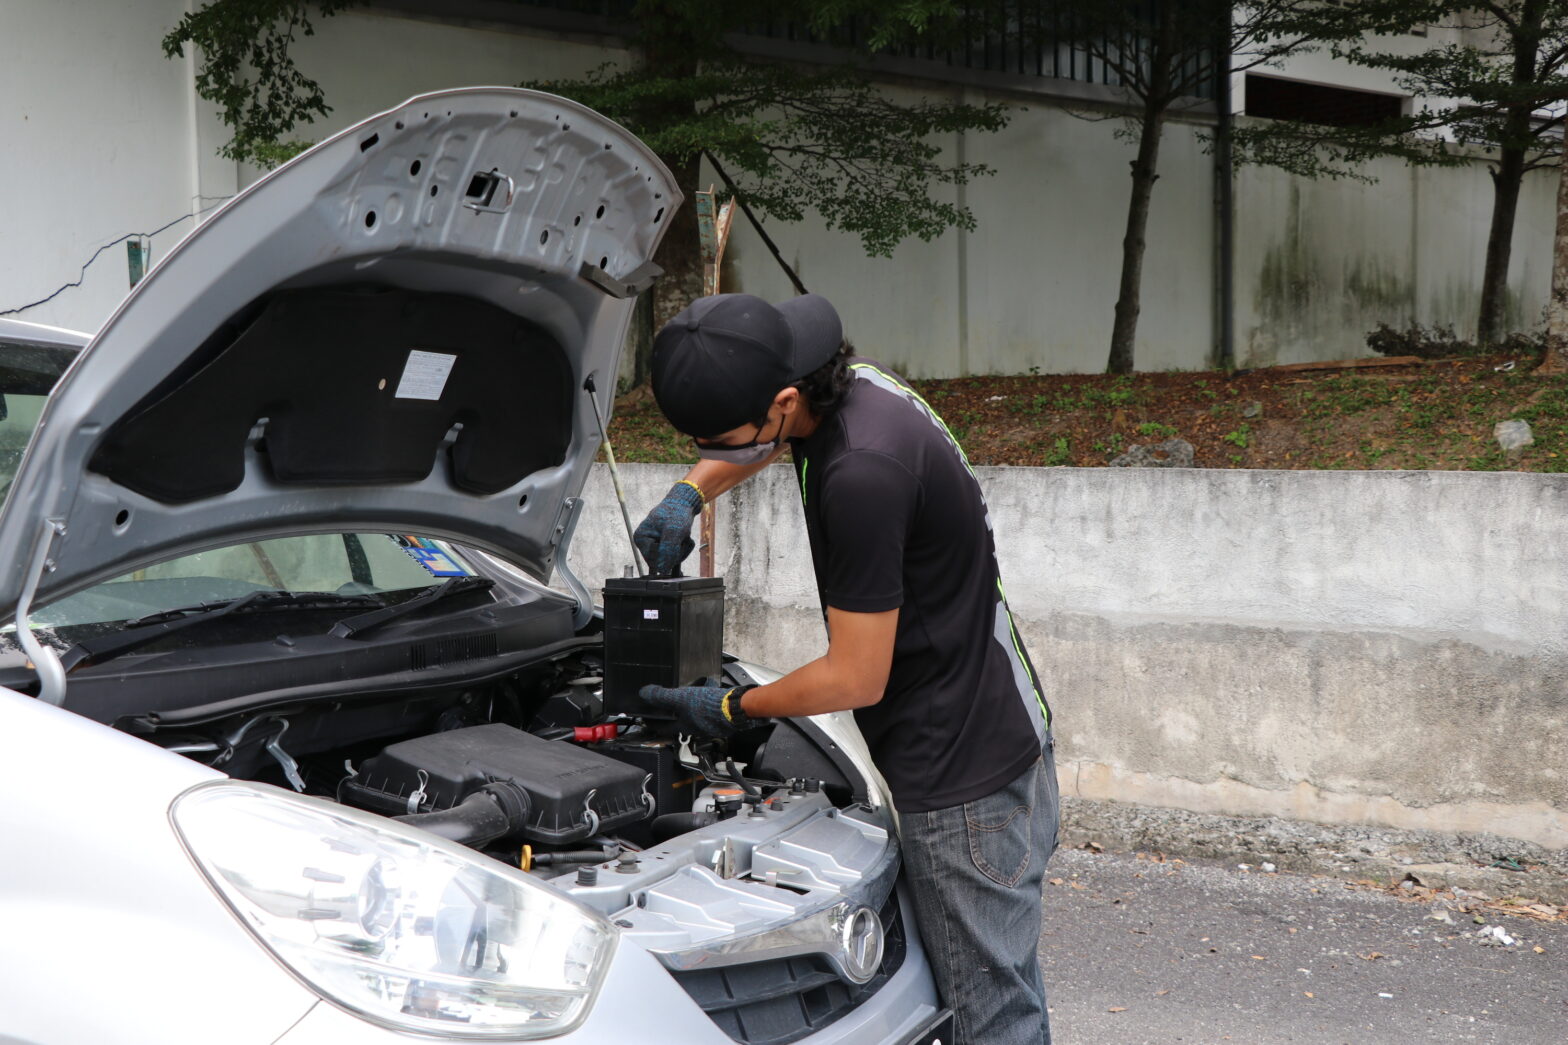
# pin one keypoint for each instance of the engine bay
(761, 854)
(527, 768)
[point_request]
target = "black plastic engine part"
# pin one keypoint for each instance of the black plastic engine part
(789, 753)
(671, 825)
(572, 793)
(670, 784)
(576, 705)
(665, 632)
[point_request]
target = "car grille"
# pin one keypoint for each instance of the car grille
(784, 999)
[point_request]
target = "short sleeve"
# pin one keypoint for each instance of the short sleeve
(868, 502)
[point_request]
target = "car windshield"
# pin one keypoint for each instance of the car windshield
(342, 563)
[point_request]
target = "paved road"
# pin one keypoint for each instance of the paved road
(1139, 951)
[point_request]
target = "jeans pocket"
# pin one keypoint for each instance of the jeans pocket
(1000, 827)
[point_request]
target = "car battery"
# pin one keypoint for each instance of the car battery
(664, 632)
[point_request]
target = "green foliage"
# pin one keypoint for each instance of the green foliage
(793, 140)
(796, 141)
(1060, 453)
(1156, 430)
(1507, 75)
(247, 70)
(1240, 436)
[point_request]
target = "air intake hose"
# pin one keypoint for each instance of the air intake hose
(498, 809)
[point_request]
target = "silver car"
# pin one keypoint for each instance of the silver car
(298, 744)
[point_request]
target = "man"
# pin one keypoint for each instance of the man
(921, 645)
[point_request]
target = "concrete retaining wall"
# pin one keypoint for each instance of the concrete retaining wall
(1377, 648)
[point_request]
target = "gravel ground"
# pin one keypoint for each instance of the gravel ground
(1137, 950)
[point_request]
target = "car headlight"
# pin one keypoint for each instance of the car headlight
(406, 929)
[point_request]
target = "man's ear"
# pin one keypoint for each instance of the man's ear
(789, 400)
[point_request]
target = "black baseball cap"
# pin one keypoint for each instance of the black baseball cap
(718, 364)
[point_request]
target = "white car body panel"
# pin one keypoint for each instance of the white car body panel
(123, 941)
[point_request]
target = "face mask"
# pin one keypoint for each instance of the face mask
(753, 452)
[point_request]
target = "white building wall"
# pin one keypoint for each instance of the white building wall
(106, 138)
(1320, 263)
(1319, 66)
(99, 141)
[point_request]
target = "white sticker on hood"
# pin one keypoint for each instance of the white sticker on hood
(424, 375)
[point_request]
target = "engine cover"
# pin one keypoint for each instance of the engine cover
(573, 793)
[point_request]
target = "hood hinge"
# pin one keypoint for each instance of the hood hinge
(565, 527)
(51, 673)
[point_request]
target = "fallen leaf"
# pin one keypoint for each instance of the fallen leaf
(1259, 958)
(1168, 990)
(1117, 1008)
(1374, 956)
(1056, 881)
(1309, 994)
(1540, 950)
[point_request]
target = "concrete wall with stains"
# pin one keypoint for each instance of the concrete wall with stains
(106, 137)
(1348, 647)
(1319, 264)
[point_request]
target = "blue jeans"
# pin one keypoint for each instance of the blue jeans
(975, 873)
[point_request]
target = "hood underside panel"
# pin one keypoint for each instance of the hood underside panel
(325, 383)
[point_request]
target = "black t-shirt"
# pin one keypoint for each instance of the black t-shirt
(897, 521)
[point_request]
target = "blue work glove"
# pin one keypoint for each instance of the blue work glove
(664, 537)
(702, 711)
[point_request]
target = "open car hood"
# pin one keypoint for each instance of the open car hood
(393, 332)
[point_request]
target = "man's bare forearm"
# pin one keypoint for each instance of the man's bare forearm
(716, 477)
(852, 674)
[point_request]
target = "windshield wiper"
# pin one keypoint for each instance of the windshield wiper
(266, 598)
(376, 618)
(143, 631)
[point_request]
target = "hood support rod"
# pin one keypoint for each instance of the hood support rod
(51, 673)
(615, 475)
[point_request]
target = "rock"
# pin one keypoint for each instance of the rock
(1269, 868)
(1173, 453)
(1252, 409)
(1513, 435)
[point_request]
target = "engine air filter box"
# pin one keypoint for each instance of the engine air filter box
(665, 632)
(573, 793)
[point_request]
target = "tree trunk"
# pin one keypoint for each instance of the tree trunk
(1556, 359)
(666, 44)
(679, 254)
(1506, 181)
(1524, 36)
(1144, 174)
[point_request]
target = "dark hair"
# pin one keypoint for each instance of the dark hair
(824, 388)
